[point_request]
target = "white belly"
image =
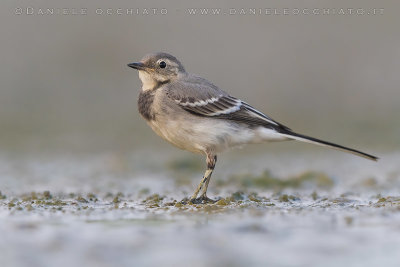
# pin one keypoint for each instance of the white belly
(210, 134)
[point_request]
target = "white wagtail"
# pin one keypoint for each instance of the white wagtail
(195, 115)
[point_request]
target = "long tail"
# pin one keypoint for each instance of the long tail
(312, 140)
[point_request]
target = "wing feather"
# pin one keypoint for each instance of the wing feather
(205, 99)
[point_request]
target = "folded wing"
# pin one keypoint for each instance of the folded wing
(212, 102)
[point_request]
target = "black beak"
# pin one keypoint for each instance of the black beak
(137, 65)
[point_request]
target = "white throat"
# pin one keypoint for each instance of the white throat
(148, 82)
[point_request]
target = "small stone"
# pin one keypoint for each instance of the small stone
(81, 199)
(222, 202)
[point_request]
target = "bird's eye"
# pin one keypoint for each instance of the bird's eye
(162, 64)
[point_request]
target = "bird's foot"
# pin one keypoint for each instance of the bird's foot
(203, 199)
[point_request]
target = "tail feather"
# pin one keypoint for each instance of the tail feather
(312, 140)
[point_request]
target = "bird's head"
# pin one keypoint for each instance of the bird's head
(158, 68)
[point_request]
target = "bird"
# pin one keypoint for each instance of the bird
(195, 115)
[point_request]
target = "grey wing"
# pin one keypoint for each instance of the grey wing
(209, 101)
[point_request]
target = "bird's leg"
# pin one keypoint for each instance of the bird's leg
(201, 185)
(211, 160)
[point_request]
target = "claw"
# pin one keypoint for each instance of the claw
(202, 200)
(206, 199)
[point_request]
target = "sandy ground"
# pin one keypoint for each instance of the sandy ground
(301, 209)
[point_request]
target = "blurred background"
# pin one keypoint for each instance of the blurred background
(65, 86)
(85, 182)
